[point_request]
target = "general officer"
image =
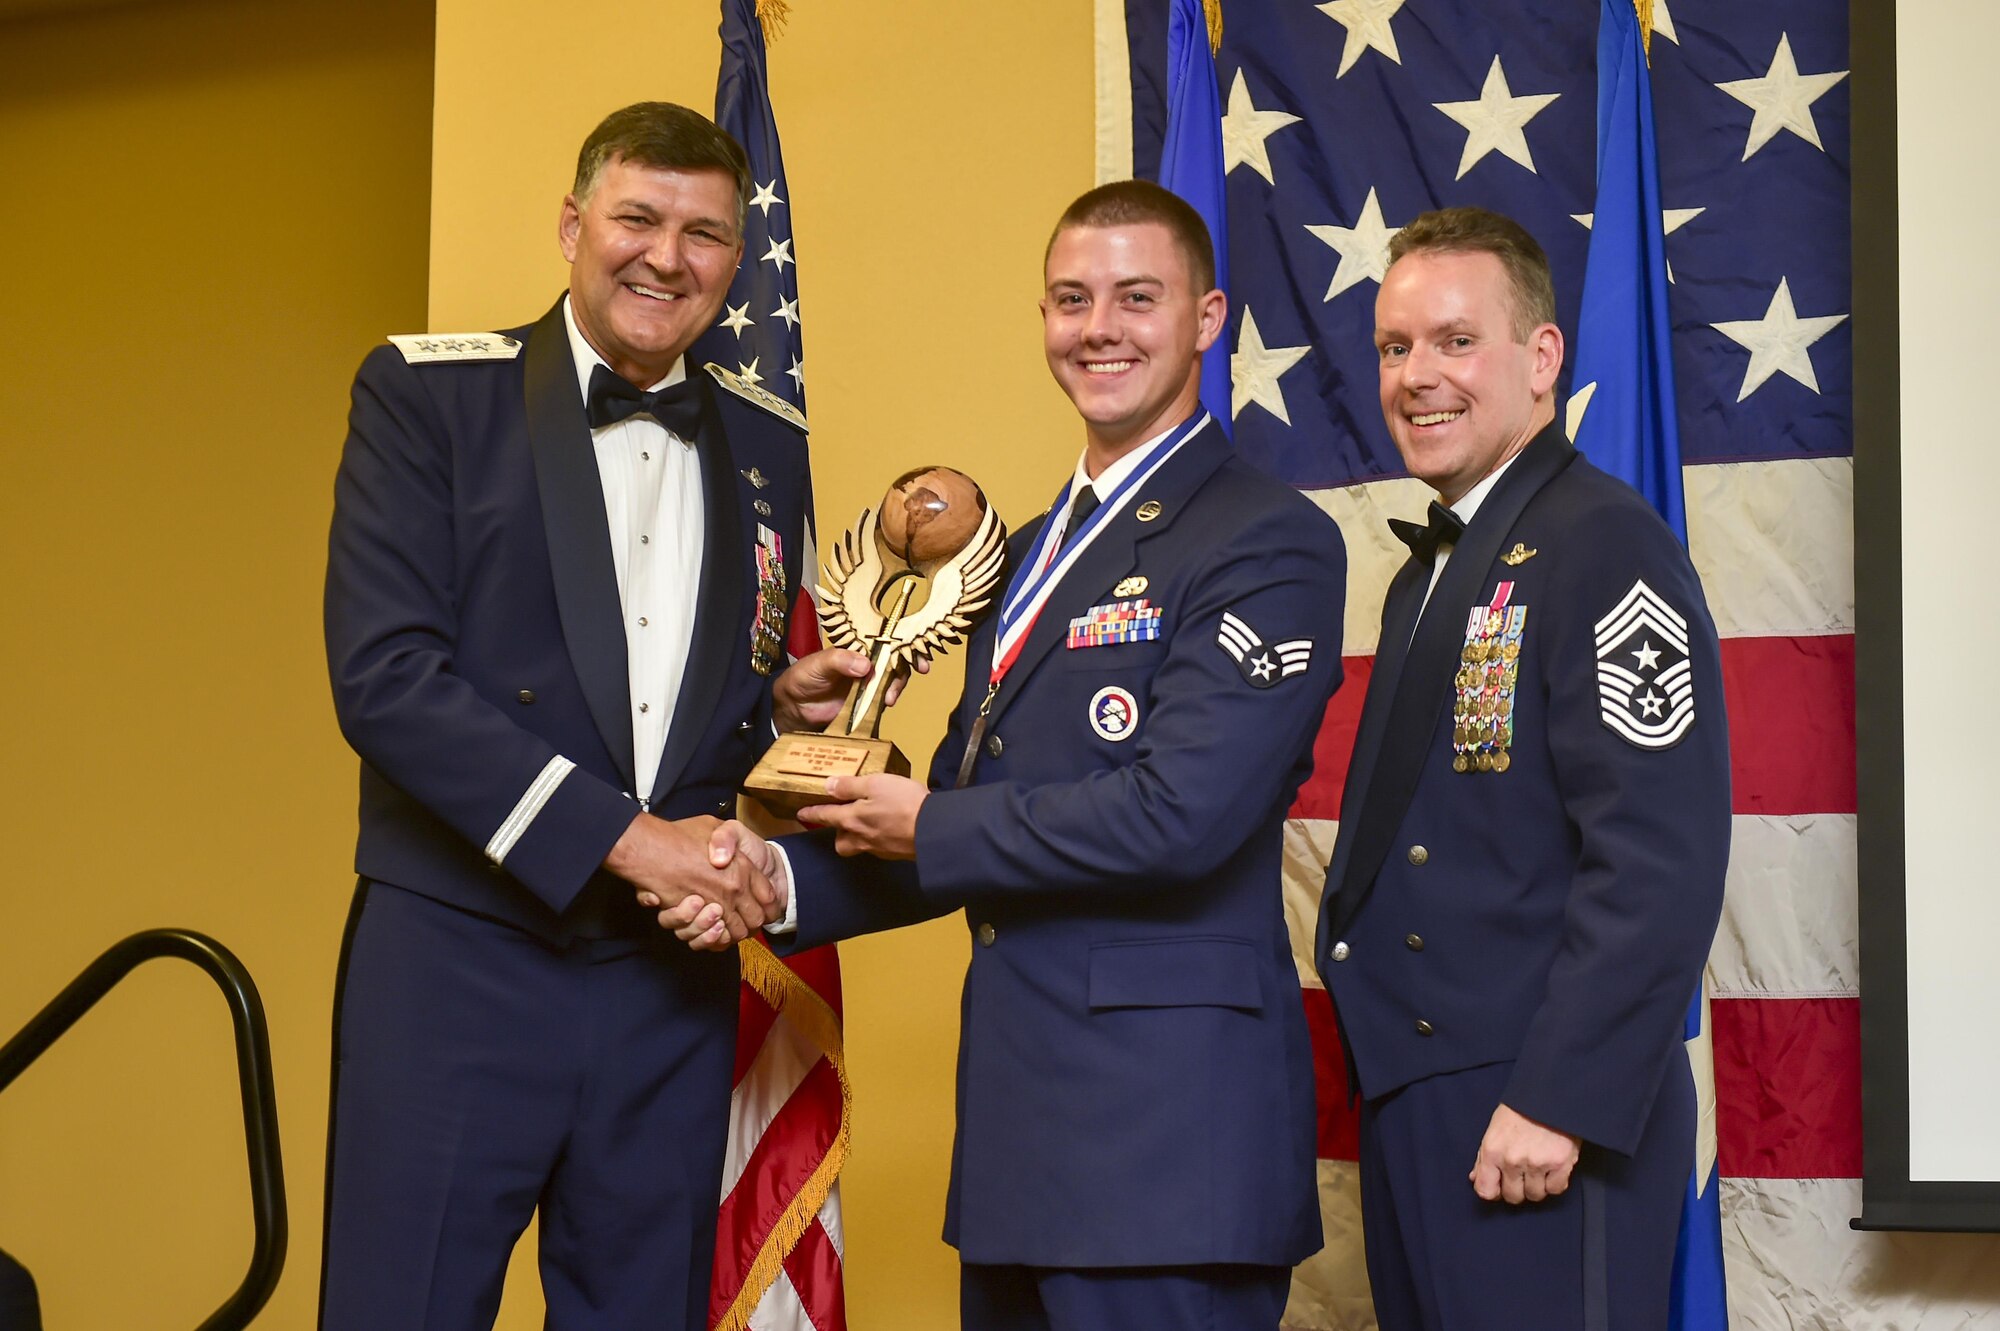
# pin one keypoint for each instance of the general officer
(1533, 836)
(1135, 1139)
(557, 586)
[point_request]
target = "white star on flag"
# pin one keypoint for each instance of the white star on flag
(1782, 99)
(1368, 28)
(1254, 371)
(1671, 220)
(748, 373)
(1663, 22)
(739, 318)
(1244, 129)
(1778, 341)
(765, 196)
(788, 310)
(1363, 248)
(780, 253)
(798, 373)
(1496, 122)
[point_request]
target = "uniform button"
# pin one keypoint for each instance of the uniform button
(642, 624)
(1423, 1027)
(1340, 951)
(986, 935)
(645, 457)
(645, 707)
(525, 696)
(722, 807)
(742, 727)
(993, 746)
(1418, 855)
(645, 540)
(1414, 942)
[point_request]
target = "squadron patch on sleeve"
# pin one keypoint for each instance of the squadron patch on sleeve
(1263, 664)
(1645, 683)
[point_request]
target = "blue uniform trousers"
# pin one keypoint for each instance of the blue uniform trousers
(1597, 1258)
(1186, 1298)
(480, 1073)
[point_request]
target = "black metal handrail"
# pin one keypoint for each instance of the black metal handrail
(253, 1076)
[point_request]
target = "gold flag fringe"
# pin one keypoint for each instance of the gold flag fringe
(1644, 9)
(1212, 11)
(772, 14)
(809, 1014)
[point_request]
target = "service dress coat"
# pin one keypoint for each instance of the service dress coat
(1135, 1083)
(1554, 912)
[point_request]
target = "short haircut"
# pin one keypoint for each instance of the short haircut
(666, 137)
(1478, 231)
(1134, 203)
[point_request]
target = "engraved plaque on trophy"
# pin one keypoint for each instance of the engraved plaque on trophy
(911, 578)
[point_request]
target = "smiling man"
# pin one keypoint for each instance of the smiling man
(1135, 1092)
(1533, 833)
(558, 574)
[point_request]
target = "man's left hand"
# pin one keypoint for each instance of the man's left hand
(879, 817)
(1522, 1160)
(813, 689)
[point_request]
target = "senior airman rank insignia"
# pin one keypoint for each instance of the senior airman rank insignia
(1489, 667)
(1261, 663)
(767, 629)
(1644, 678)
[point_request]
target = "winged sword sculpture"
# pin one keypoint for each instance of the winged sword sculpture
(911, 578)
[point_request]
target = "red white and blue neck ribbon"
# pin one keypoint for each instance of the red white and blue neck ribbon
(1038, 575)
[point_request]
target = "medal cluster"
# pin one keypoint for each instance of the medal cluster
(1489, 666)
(767, 632)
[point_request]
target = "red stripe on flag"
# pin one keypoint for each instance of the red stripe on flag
(1791, 728)
(1788, 1087)
(1319, 797)
(1791, 723)
(785, 1157)
(814, 1268)
(754, 1019)
(1339, 1124)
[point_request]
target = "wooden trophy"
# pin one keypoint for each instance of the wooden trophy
(910, 578)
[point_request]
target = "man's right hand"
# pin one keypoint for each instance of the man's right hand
(672, 862)
(700, 923)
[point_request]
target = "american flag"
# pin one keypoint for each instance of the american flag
(778, 1250)
(1342, 121)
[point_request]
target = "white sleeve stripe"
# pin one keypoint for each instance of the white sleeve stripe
(538, 793)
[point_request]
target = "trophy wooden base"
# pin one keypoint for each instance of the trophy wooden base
(793, 771)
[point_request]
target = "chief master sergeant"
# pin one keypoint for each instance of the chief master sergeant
(560, 571)
(1533, 835)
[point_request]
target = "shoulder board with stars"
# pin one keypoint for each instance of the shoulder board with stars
(436, 348)
(762, 397)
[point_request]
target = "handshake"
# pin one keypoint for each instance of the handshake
(710, 881)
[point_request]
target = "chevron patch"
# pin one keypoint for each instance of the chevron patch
(1261, 663)
(1645, 684)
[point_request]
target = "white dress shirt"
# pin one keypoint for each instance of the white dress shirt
(1467, 505)
(651, 479)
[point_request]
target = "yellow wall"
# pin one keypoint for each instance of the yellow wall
(930, 148)
(210, 211)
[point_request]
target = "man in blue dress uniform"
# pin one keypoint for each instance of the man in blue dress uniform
(1533, 833)
(557, 588)
(1135, 1138)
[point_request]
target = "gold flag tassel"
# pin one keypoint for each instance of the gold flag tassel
(772, 14)
(1644, 8)
(1212, 11)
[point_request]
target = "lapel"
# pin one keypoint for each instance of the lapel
(586, 580)
(1113, 554)
(1416, 687)
(721, 632)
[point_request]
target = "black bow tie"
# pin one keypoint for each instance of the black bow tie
(612, 399)
(1444, 528)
